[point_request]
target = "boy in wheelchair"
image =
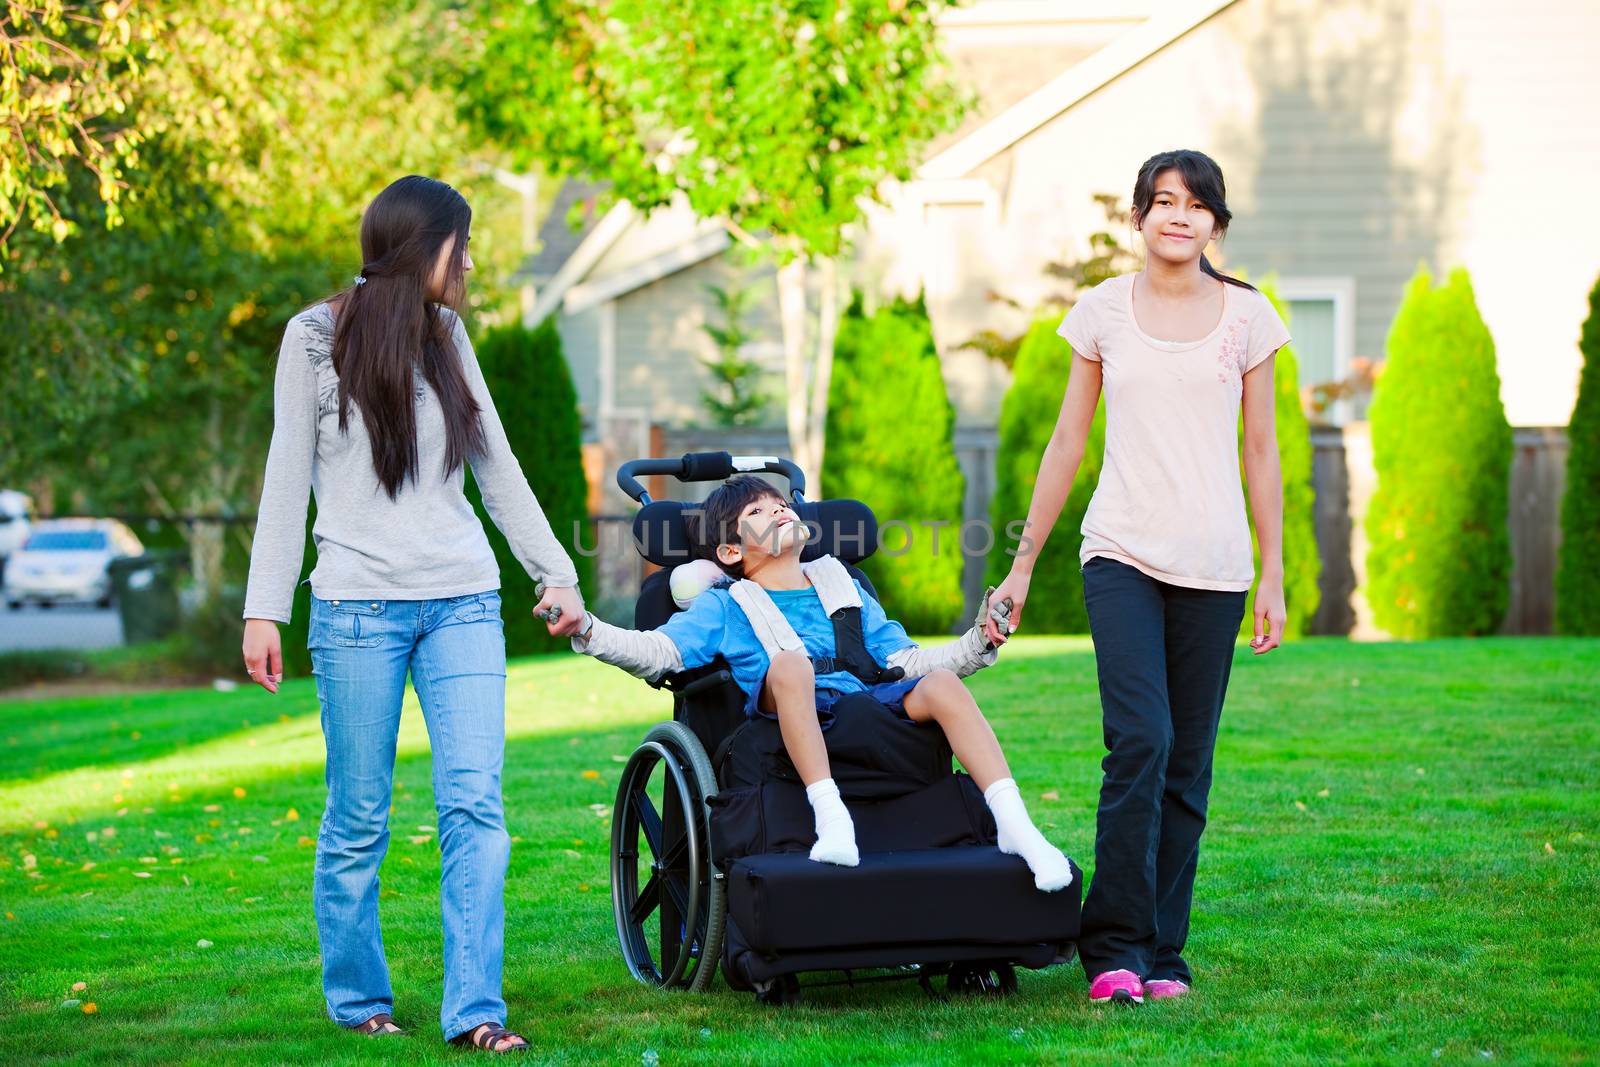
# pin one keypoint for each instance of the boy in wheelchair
(769, 616)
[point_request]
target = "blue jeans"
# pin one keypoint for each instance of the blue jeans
(455, 651)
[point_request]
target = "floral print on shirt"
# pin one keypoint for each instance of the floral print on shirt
(1232, 353)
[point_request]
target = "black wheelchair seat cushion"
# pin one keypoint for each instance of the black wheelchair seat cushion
(775, 816)
(872, 752)
(787, 902)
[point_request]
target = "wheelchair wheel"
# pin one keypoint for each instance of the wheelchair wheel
(982, 979)
(670, 927)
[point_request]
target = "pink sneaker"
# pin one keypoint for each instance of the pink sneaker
(1116, 987)
(1165, 989)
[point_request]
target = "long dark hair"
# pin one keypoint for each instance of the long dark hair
(1203, 178)
(389, 327)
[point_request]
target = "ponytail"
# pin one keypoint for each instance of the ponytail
(1207, 268)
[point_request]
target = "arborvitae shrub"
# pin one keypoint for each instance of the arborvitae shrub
(1439, 562)
(890, 444)
(532, 388)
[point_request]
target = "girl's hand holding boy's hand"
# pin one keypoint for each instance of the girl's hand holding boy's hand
(1015, 589)
(561, 609)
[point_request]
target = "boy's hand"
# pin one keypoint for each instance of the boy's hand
(994, 619)
(560, 608)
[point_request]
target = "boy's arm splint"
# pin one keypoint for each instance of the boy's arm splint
(647, 654)
(967, 654)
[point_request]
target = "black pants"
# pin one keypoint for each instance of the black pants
(1163, 653)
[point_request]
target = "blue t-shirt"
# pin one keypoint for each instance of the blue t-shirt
(715, 624)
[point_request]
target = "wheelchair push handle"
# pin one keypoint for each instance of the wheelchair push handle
(707, 467)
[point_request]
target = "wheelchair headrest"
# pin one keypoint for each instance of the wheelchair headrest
(846, 529)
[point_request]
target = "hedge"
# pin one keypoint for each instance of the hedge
(890, 443)
(1578, 576)
(1439, 561)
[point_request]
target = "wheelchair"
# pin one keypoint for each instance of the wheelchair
(711, 828)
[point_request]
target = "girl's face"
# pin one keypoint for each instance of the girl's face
(440, 283)
(1177, 227)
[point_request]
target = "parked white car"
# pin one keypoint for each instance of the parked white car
(16, 522)
(68, 560)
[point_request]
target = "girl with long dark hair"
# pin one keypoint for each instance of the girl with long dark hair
(379, 405)
(1178, 348)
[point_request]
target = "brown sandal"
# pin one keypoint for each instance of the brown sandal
(375, 1026)
(487, 1035)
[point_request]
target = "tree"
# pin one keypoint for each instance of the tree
(736, 398)
(891, 445)
(136, 377)
(1578, 580)
(1440, 557)
(777, 118)
(528, 378)
(1028, 417)
(1302, 562)
(64, 89)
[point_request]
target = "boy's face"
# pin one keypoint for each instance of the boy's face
(768, 528)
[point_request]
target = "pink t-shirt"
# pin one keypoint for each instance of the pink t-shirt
(1170, 500)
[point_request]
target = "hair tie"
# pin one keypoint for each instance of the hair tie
(361, 279)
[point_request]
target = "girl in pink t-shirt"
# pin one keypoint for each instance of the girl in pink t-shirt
(1177, 348)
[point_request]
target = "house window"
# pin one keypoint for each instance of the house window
(1322, 320)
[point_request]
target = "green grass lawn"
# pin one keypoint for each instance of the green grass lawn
(1403, 865)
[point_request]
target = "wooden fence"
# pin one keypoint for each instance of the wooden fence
(1341, 474)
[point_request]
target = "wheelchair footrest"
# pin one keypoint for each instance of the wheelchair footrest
(967, 895)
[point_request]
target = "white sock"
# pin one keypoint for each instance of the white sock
(836, 833)
(1019, 837)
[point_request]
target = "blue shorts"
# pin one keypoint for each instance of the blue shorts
(891, 695)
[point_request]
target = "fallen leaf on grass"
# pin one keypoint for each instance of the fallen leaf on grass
(305, 842)
(79, 987)
(141, 874)
(1301, 805)
(1549, 849)
(202, 943)
(291, 815)
(1050, 795)
(90, 1008)
(212, 807)
(420, 839)
(29, 862)
(592, 775)
(238, 791)
(1322, 793)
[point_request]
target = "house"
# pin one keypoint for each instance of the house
(1358, 140)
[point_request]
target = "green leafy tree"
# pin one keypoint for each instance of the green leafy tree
(779, 119)
(736, 398)
(1028, 417)
(137, 371)
(1302, 563)
(891, 445)
(1578, 580)
(1440, 557)
(65, 87)
(528, 378)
